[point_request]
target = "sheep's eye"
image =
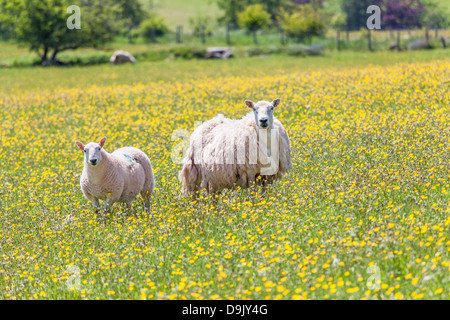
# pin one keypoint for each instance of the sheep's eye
(98, 148)
(84, 151)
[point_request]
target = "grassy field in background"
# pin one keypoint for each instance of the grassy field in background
(178, 12)
(17, 80)
(369, 191)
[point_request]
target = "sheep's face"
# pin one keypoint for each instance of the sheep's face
(263, 111)
(92, 152)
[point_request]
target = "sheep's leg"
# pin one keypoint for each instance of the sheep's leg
(147, 201)
(96, 204)
(129, 206)
(251, 183)
(107, 205)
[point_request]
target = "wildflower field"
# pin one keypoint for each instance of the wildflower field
(364, 214)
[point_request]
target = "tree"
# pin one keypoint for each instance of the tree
(400, 14)
(131, 15)
(153, 27)
(433, 15)
(253, 18)
(231, 9)
(355, 11)
(306, 21)
(42, 24)
(200, 26)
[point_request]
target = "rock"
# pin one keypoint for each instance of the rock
(121, 56)
(419, 45)
(218, 52)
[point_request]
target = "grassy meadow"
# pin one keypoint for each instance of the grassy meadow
(362, 215)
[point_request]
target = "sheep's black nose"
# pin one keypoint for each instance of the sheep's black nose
(94, 161)
(263, 121)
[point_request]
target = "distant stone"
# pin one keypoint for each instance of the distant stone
(419, 45)
(121, 56)
(219, 53)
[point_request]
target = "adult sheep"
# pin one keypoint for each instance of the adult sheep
(115, 177)
(225, 153)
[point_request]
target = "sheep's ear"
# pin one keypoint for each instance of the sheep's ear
(276, 102)
(102, 142)
(80, 145)
(250, 104)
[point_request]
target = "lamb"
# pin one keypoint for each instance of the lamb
(115, 177)
(225, 153)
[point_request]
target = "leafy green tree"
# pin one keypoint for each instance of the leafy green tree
(433, 15)
(198, 23)
(131, 15)
(306, 19)
(232, 8)
(355, 11)
(254, 18)
(154, 25)
(42, 24)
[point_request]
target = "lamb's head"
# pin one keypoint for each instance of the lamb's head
(263, 111)
(92, 152)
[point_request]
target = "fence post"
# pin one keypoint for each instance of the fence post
(338, 42)
(227, 35)
(309, 37)
(203, 33)
(369, 40)
(179, 31)
(398, 39)
(153, 34)
(281, 36)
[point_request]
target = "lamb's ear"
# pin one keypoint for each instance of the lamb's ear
(276, 102)
(250, 104)
(102, 142)
(80, 145)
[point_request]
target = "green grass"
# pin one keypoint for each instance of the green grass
(20, 79)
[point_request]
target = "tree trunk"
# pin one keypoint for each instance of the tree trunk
(44, 55)
(255, 39)
(227, 36)
(436, 31)
(369, 40)
(53, 58)
(398, 40)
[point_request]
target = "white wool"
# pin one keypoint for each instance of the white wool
(217, 165)
(119, 177)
